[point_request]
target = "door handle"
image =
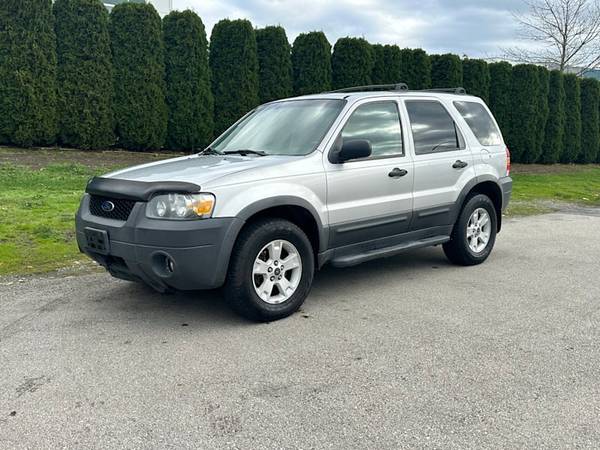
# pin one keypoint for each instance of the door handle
(459, 164)
(397, 173)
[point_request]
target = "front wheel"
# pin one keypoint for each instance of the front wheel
(271, 270)
(474, 233)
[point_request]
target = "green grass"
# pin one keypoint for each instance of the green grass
(539, 192)
(38, 200)
(37, 210)
(579, 185)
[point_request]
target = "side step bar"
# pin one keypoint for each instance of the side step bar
(359, 258)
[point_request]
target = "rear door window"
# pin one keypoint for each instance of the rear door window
(433, 128)
(481, 123)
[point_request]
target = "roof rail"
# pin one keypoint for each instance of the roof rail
(375, 87)
(456, 90)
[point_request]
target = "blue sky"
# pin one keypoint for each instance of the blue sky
(477, 28)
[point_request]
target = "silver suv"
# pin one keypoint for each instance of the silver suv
(340, 178)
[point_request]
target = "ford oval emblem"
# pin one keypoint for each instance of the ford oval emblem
(107, 206)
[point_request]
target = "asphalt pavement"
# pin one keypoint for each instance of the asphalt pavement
(407, 352)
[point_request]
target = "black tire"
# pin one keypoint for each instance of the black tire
(239, 287)
(457, 250)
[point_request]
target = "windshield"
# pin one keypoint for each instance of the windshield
(293, 128)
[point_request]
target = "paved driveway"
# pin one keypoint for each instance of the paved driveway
(404, 352)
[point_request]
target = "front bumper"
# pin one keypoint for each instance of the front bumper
(506, 184)
(139, 248)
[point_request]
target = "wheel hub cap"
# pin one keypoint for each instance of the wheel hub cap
(277, 271)
(479, 229)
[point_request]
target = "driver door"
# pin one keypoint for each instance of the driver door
(370, 198)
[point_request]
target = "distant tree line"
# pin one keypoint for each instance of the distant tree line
(71, 74)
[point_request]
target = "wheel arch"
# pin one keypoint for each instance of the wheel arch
(297, 210)
(488, 186)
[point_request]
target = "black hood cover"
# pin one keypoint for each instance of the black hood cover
(137, 190)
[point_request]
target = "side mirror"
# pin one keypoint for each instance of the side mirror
(354, 149)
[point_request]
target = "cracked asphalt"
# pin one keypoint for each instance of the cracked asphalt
(407, 352)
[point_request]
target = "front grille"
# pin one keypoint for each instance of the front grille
(122, 208)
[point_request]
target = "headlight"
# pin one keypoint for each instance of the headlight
(181, 206)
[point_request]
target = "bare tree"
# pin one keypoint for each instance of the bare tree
(564, 33)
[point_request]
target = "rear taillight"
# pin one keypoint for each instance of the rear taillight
(507, 162)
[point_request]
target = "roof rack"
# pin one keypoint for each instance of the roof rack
(456, 90)
(375, 87)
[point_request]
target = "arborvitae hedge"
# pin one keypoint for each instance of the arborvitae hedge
(476, 78)
(138, 59)
(555, 126)
(393, 62)
(542, 115)
(590, 120)
(85, 74)
(351, 63)
(311, 62)
(234, 66)
(27, 73)
(379, 74)
(524, 117)
(572, 133)
(446, 71)
(189, 95)
(500, 95)
(387, 61)
(415, 68)
(274, 64)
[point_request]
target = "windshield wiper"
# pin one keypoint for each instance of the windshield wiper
(245, 152)
(209, 151)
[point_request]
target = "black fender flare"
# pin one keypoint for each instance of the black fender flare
(288, 200)
(460, 201)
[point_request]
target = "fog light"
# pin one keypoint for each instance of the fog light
(170, 265)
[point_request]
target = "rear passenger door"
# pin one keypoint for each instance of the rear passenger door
(443, 162)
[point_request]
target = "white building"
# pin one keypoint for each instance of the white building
(163, 7)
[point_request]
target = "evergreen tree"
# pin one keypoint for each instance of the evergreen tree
(476, 78)
(234, 66)
(524, 112)
(85, 74)
(380, 72)
(386, 64)
(189, 95)
(311, 63)
(572, 133)
(555, 126)
(415, 68)
(27, 73)
(139, 83)
(274, 64)
(351, 63)
(446, 71)
(393, 61)
(542, 115)
(500, 95)
(590, 120)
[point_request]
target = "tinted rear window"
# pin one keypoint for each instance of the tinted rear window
(480, 122)
(432, 127)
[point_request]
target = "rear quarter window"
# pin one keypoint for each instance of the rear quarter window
(481, 123)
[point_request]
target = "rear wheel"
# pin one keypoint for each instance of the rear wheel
(474, 233)
(271, 270)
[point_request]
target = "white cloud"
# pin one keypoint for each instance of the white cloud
(471, 27)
